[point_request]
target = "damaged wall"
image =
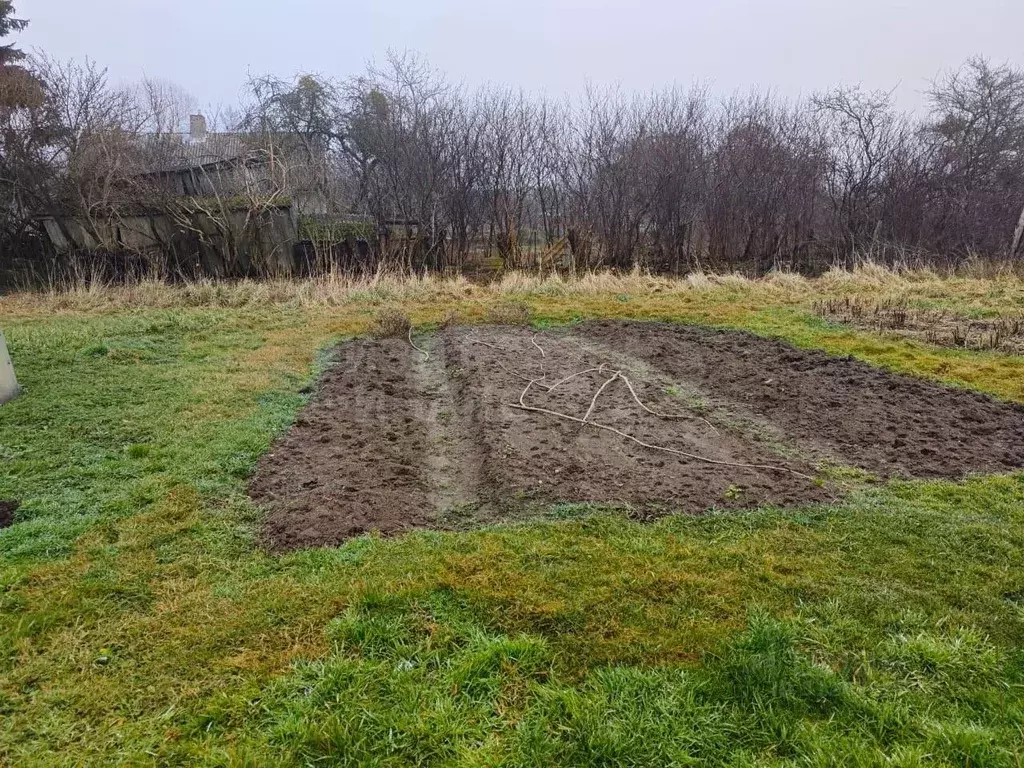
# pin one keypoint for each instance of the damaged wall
(238, 242)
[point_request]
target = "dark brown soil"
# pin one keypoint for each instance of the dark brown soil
(393, 441)
(7, 510)
(838, 407)
(354, 461)
(537, 456)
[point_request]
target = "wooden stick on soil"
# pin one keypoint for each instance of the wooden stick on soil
(593, 403)
(487, 344)
(522, 406)
(551, 387)
(533, 340)
(569, 378)
(665, 415)
(426, 355)
(518, 375)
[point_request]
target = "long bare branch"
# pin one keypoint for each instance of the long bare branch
(522, 406)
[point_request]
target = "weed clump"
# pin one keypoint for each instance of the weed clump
(391, 324)
(509, 313)
(452, 319)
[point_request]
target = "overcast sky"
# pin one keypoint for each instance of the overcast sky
(555, 46)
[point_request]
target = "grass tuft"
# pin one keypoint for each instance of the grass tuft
(391, 323)
(509, 313)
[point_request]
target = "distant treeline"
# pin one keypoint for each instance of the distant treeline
(425, 173)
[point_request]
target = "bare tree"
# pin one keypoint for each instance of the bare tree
(432, 176)
(976, 132)
(863, 133)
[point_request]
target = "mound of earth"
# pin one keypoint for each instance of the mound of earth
(7, 510)
(498, 421)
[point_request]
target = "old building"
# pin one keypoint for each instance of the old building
(224, 203)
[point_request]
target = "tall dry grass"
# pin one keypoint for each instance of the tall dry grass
(335, 289)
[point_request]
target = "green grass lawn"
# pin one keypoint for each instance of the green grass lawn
(141, 623)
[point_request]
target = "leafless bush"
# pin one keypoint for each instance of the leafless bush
(391, 323)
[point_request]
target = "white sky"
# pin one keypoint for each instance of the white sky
(555, 46)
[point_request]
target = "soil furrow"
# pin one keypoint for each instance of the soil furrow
(355, 460)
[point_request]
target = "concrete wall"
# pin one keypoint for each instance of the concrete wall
(8, 384)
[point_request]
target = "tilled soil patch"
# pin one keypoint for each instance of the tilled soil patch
(489, 427)
(539, 456)
(840, 407)
(355, 460)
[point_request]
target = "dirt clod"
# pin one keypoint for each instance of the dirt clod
(7, 510)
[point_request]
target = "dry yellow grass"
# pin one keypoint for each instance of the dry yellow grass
(987, 287)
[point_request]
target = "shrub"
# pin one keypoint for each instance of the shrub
(391, 323)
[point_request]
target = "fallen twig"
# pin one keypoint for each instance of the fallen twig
(533, 340)
(426, 355)
(487, 344)
(518, 375)
(522, 406)
(569, 378)
(593, 403)
(665, 415)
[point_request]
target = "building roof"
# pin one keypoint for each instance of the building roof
(175, 152)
